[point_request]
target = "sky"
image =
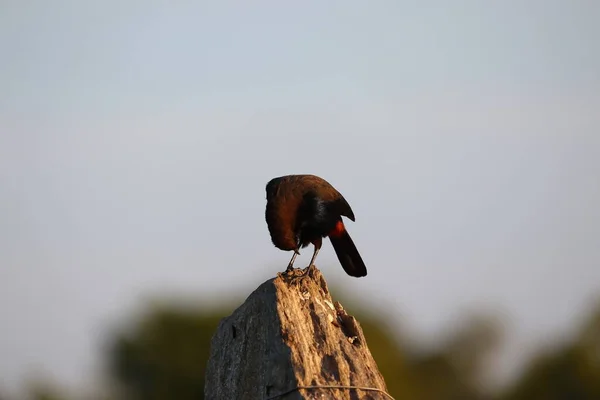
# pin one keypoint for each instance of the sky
(136, 139)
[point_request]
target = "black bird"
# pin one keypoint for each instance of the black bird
(303, 209)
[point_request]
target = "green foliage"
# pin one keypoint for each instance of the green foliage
(44, 390)
(165, 355)
(571, 372)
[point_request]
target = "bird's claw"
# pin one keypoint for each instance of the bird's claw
(297, 278)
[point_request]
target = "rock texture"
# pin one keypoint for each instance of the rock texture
(289, 334)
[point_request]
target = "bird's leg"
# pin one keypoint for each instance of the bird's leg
(291, 263)
(312, 260)
(317, 243)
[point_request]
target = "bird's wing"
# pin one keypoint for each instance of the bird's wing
(343, 208)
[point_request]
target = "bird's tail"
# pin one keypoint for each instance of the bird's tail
(346, 251)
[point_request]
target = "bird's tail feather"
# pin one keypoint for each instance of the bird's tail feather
(348, 254)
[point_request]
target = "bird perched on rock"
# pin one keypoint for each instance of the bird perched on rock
(303, 209)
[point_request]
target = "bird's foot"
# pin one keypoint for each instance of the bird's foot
(297, 279)
(289, 272)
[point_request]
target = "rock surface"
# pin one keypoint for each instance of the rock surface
(290, 334)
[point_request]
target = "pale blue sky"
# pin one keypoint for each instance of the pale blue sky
(136, 139)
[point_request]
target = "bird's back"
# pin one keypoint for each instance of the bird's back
(285, 195)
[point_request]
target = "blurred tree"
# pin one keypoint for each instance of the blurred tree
(43, 390)
(45, 395)
(456, 370)
(571, 372)
(165, 356)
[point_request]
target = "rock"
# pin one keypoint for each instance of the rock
(288, 335)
